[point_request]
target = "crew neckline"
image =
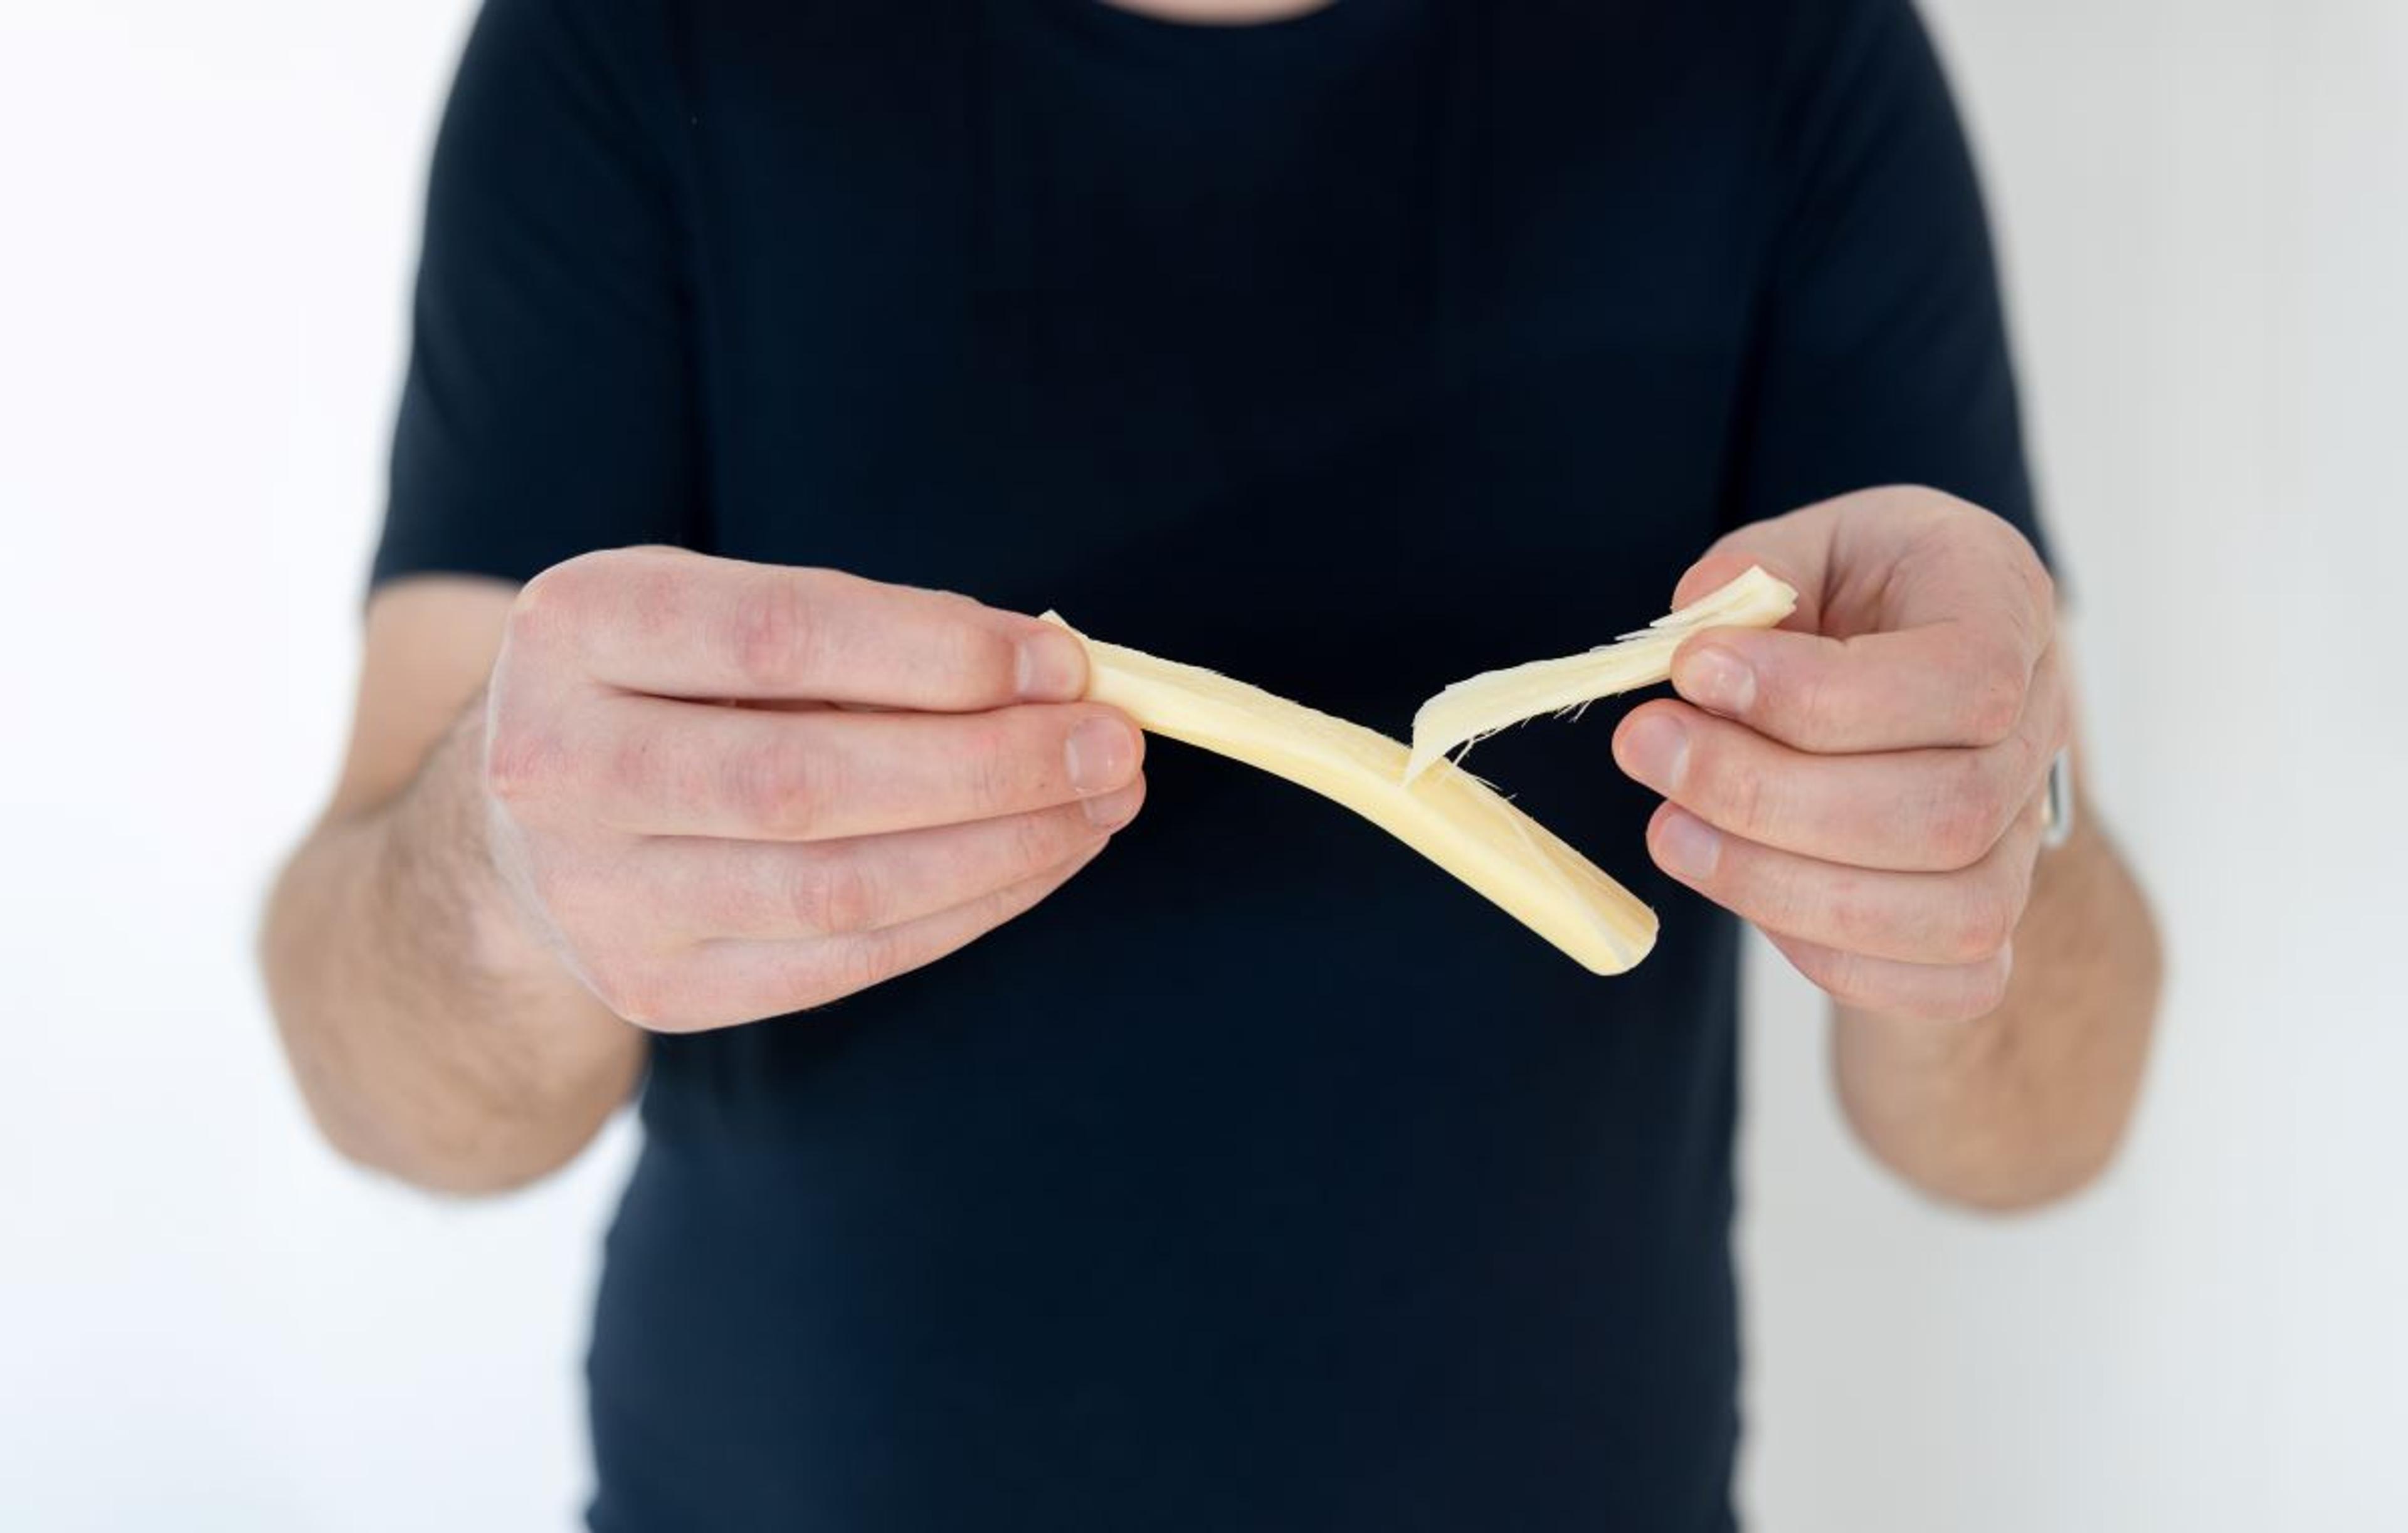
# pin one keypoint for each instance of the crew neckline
(1338, 18)
(1181, 25)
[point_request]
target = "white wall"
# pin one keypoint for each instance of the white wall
(207, 215)
(207, 1323)
(2204, 206)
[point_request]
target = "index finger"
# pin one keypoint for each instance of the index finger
(678, 624)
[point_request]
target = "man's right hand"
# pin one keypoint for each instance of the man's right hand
(724, 791)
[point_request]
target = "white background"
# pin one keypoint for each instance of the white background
(209, 212)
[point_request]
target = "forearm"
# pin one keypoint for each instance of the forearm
(2028, 1103)
(434, 1038)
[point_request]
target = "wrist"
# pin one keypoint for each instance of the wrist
(440, 885)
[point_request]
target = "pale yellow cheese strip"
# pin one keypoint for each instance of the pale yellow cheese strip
(1479, 706)
(1447, 815)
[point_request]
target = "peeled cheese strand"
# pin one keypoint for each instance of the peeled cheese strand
(1479, 705)
(1448, 815)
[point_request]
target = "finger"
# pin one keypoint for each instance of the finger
(1913, 554)
(678, 624)
(771, 891)
(1913, 992)
(1960, 682)
(1933, 810)
(1924, 918)
(1920, 618)
(671, 768)
(726, 982)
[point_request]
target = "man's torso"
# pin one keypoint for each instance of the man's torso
(1264, 1178)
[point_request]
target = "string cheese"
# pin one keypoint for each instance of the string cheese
(1447, 815)
(1479, 705)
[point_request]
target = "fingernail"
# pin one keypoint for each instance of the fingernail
(1654, 748)
(1114, 809)
(1686, 846)
(1053, 666)
(1102, 752)
(1716, 679)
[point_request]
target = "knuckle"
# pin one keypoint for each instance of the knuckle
(1964, 817)
(520, 763)
(771, 633)
(545, 603)
(1990, 703)
(984, 663)
(1958, 837)
(639, 769)
(991, 771)
(1854, 920)
(1983, 923)
(779, 788)
(561, 599)
(836, 896)
(652, 594)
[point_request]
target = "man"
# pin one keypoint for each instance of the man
(1218, 1166)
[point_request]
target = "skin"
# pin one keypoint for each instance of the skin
(655, 790)
(658, 791)
(1873, 809)
(1866, 784)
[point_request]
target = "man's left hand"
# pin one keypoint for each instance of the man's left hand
(1867, 783)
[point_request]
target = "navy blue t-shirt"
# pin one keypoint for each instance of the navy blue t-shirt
(1264, 1178)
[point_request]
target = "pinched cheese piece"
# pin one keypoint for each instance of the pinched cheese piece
(1447, 815)
(1479, 705)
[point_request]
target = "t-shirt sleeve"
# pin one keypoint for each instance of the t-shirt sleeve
(547, 406)
(1879, 352)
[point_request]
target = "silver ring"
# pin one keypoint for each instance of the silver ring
(2056, 821)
